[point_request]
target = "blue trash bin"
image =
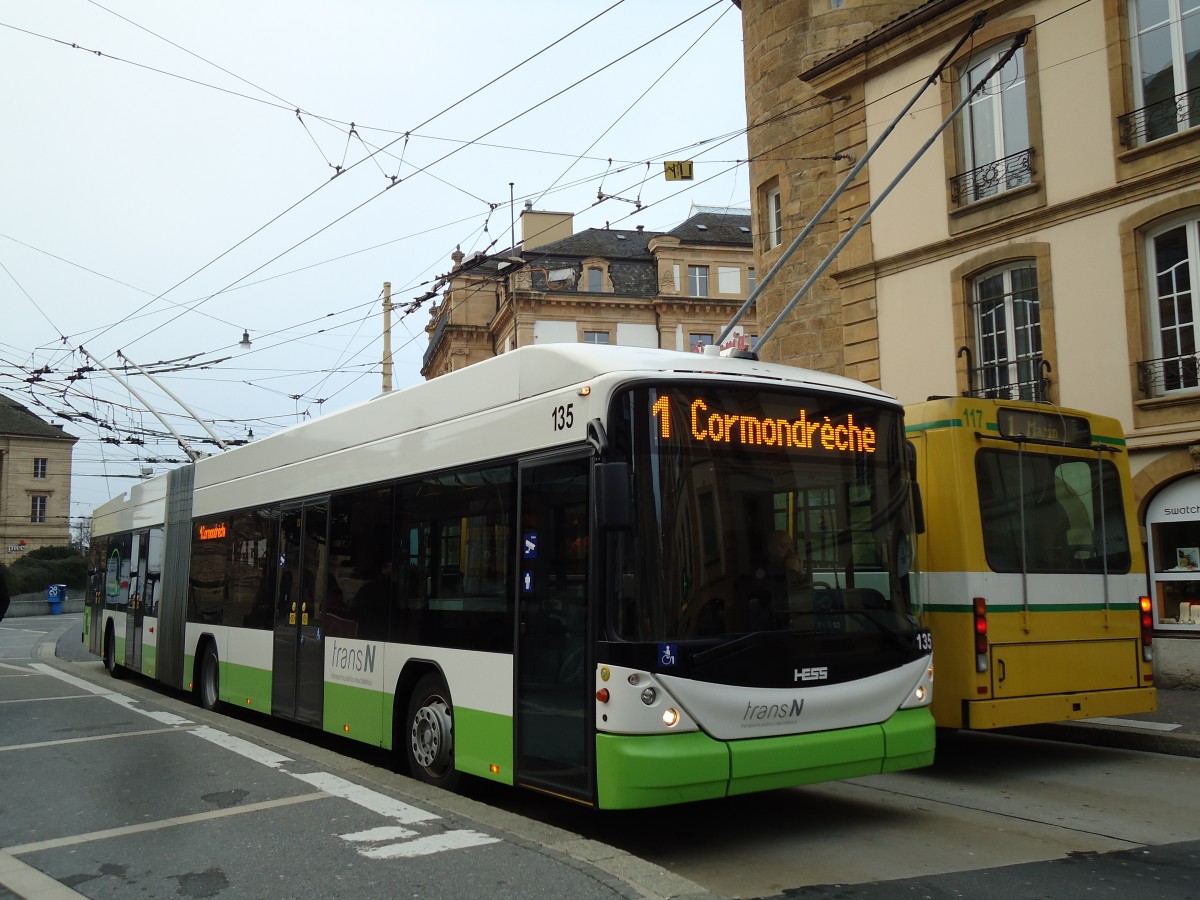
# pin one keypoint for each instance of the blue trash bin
(55, 595)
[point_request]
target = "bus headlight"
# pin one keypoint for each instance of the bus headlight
(922, 692)
(671, 717)
(649, 695)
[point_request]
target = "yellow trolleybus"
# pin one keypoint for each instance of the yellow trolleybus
(571, 568)
(1031, 572)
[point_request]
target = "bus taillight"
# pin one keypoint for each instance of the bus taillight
(981, 635)
(1147, 628)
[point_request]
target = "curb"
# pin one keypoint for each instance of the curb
(1115, 736)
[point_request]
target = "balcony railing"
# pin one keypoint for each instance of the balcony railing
(1167, 374)
(1166, 117)
(1027, 379)
(987, 181)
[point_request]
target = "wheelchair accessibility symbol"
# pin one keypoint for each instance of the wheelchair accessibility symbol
(667, 655)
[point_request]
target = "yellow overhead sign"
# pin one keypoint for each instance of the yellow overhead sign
(678, 170)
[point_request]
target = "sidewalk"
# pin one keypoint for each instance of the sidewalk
(1173, 729)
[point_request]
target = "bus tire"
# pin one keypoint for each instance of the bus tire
(115, 669)
(208, 681)
(429, 733)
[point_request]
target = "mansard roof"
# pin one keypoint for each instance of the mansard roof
(609, 243)
(17, 421)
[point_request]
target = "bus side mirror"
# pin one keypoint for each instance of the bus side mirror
(917, 506)
(918, 509)
(612, 496)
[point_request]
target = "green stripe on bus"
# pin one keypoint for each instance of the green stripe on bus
(482, 740)
(354, 712)
(1033, 607)
(246, 686)
(926, 426)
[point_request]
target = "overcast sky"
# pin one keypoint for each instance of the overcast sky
(170, 179)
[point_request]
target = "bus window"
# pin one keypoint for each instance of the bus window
(1042, 512)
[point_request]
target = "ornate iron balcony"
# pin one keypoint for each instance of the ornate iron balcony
(1157, 377)
(1166, 117)
(987, 181)
(1026, 379)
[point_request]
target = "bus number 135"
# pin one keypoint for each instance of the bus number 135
(563, 417)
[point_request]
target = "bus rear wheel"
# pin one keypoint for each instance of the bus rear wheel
(208, 686)
(429, 734)
(115, 669)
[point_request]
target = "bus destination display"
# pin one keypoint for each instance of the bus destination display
(711, 424)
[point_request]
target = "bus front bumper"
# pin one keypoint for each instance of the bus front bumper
(637, 771)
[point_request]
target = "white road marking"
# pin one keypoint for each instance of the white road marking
(378, 835)
(391, 842)
(434, 843)
(242, 748)
(26, 881)
(367, 798)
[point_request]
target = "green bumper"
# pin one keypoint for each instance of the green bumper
(636, 771)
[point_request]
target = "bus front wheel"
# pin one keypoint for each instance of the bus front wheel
(429, 733)
(208, 689)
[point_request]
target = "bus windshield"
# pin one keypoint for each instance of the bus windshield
(758, 510)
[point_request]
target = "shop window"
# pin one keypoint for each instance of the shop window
(1173, 523)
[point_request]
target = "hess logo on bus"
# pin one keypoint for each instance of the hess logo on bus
(812, 673)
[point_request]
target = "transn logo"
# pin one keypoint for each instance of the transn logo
(814, 673)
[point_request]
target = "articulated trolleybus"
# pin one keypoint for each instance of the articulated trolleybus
(1031, 567)
(625, 577)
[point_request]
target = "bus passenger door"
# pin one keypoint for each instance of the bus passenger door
(298, 666)
(134, 611)
(554, 704)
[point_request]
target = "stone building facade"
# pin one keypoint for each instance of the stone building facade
(35, 482)
(1045, 246)
(671, 290)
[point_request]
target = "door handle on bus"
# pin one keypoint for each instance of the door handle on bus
(1003, 673)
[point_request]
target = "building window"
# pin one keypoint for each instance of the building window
(994, 129)
(595, 280)
(729, 280)
(1006, 316)
(1173, 254)
(40, 467)
(697, 281)
(1165, 40)
(696, 341)
(751, 280)
(774, 218)
(37, 509)
(595, 337)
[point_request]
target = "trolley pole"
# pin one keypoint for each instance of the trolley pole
(387, 337)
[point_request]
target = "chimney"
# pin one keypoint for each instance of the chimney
(539, 227)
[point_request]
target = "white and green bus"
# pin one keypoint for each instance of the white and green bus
(550, 570)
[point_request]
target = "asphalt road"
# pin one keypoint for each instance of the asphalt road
(210, 805)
